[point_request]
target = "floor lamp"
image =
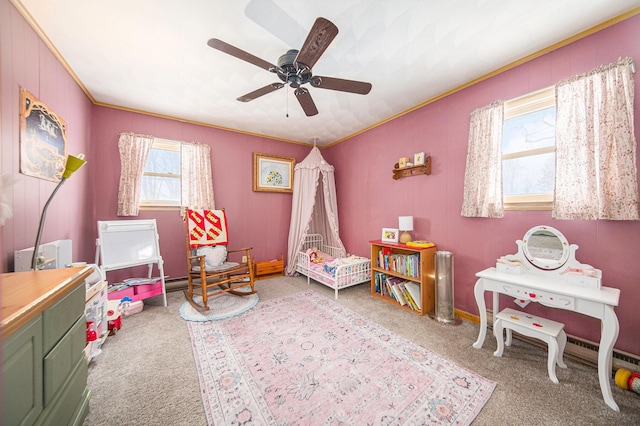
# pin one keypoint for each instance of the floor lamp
(72, 164)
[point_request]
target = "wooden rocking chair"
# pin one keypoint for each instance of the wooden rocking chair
(212, 270)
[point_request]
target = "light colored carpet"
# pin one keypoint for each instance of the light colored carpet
(146, 374)
(305, 358)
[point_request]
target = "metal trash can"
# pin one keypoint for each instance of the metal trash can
(444, 309)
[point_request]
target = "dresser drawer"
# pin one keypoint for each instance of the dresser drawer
(61, 360)
(64, 312)
(70, 405)
(544, 297)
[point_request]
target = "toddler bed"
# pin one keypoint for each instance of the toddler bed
(324, 264)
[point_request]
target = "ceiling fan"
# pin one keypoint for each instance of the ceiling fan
(294, 67)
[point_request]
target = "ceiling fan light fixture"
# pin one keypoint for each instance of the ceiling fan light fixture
(286, 61)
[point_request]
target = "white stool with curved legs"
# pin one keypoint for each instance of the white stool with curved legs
(551, 332)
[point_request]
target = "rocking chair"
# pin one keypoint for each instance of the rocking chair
(210, 272)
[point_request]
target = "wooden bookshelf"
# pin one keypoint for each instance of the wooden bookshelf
(420, 272)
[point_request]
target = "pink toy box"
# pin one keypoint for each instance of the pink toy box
(120, 294)
(144, 291)
(137, 292)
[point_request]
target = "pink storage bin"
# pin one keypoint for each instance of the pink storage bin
(146, 288)
(117, 295)
(145, 291)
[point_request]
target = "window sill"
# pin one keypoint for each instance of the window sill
(547, 205)
(159, 208)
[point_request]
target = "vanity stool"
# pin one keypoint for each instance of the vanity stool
(551, 332)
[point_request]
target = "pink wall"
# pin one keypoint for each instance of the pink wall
(369, 199)
(256, 219)
(27, 62)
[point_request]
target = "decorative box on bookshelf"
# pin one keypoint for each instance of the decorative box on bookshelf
(403, 275)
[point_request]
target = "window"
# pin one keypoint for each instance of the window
(528, 151)
(161, 180)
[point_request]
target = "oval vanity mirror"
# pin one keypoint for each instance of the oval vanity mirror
(545, 247)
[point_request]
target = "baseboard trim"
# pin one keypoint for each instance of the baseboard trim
(579, 349)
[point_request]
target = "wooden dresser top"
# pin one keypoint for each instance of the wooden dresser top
(24, 295)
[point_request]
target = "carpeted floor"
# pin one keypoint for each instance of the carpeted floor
(146, 374)
(305, 358)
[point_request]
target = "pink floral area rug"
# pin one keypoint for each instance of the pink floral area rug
(306, 359)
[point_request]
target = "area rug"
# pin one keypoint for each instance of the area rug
(220, 307)
(306, 359)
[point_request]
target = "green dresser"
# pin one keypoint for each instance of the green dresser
(44, 370)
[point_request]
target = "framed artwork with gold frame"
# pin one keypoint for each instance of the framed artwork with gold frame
(43, 139)
(272, 173)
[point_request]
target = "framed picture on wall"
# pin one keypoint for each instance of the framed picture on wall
(418, 158)
(272, 173)
(43, 139)
(390, 235)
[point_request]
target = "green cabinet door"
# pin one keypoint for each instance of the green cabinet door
(22, 375)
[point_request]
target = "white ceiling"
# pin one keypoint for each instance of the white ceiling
(152, 55)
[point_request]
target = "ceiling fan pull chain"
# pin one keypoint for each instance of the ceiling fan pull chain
(286, 95)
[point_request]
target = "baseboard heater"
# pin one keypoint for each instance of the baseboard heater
(581, 350)
(175, 283)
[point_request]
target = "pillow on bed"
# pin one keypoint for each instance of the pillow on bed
(214, 256)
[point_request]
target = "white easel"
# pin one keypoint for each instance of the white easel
(128, 243)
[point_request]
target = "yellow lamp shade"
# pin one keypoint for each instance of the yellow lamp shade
(73, 164)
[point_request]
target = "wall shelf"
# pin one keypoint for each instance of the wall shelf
(422, 169)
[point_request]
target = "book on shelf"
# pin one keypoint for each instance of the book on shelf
(116, 287)
(405, 264)
(407, 295)
(414, 290)
(395, 290)
(140, 281)
(382, 287)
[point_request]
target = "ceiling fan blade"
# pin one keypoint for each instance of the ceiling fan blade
(321, 35)
(306, 102)
(332, 83)
(260, 92)
(240, 54)
(275, 20)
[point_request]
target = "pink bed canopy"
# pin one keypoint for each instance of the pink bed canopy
(314, 208)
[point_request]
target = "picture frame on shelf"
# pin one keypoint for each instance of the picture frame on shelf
(390, 235)
(418, 158)
(272, 173)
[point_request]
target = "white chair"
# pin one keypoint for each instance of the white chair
(551, 332)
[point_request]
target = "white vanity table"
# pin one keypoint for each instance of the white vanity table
(545, 271)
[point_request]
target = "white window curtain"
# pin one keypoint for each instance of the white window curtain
(596, 176)
(134, 150)
(483, 173)
(197, 185)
